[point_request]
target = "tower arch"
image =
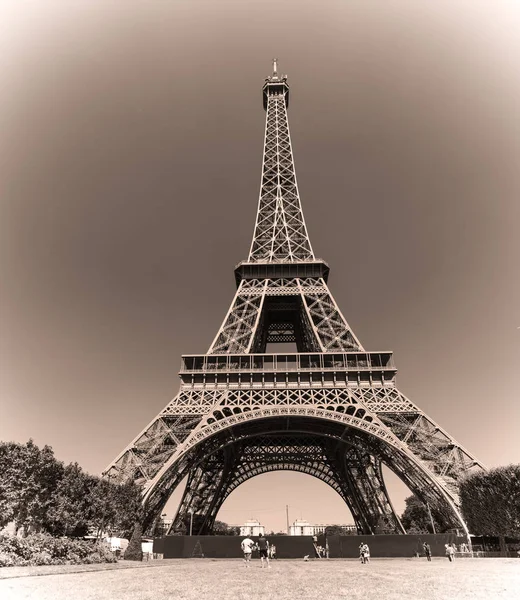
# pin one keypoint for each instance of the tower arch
(352, 452)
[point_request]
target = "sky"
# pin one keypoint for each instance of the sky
(130, 157)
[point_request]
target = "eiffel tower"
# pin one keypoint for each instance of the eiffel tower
(331, 409)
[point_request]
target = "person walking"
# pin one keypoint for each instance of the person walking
(427, 551)
(247, 548)
(366, 551)
(263, 547)
(450, 552)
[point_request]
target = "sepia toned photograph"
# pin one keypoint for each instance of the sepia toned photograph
(259, 300)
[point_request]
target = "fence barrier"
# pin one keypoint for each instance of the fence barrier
(344, 546)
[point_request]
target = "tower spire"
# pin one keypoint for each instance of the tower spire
(280, 232)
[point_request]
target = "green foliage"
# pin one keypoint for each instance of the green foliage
(134, 549)
(127, 503)
(416, 518)
(70, 511)
(335, 530)
(28, 479)
(44, 549)
(490, 501)
(221, 528)
(39, 493)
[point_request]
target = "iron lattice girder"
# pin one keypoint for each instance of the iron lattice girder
(370, 509)
(369, 504)
(372, 409)
(398, 456)
(148, 452)
(317, 455)
(252, 457)
(323, 327)
(280, 230)
(283, 451)
(330, 390)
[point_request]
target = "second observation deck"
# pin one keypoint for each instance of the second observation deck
(366, 367)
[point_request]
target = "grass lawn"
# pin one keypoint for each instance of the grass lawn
(196, 579)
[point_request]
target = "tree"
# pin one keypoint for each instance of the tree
(37, 492)
(28, 480)
(335, 530)
(127, 499)
(490, 501)
(114, 507)
(134, 549)
(102, 506)
(221, 528)
(70, 511)
(416, 517)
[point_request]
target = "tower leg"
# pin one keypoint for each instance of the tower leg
(368, 498)
(204, 487)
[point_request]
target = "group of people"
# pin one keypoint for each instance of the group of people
(268, 551)
(265, 549)
(364, 553)
(450, 550)
(321, 551)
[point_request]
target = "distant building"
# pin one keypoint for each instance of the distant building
(302, 527)
(252, 527)
(164, 526)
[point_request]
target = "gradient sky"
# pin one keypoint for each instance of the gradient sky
(131, 142)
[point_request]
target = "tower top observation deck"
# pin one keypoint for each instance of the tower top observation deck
(275, 85)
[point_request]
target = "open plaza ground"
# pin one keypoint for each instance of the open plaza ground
(221, 579)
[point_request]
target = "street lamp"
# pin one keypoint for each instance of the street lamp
(190, 510)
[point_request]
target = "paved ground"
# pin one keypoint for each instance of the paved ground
(197, 579)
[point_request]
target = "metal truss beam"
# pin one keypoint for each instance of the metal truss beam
(280, 231)
(315, 319)
(350, 470)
